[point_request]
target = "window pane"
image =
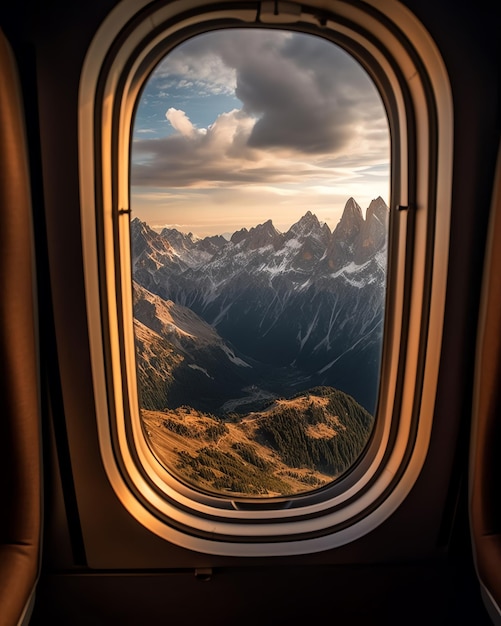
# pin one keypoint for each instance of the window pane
(259, 281)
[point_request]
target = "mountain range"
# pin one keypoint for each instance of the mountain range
(263, 314)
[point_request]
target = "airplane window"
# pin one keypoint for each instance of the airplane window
(259, 230)
(265, 205)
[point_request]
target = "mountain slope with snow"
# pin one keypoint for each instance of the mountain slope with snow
(308, 299)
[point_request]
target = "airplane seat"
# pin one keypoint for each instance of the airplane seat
(20, 456)
(485, 459)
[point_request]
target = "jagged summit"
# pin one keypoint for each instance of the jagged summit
(308, 225)
(179, 239)
(146, 240)
(373, 233)
(239, 235)
(377, 208)
(263, 235)
(351, 221)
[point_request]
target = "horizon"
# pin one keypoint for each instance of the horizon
(236, 126)
(228, 234)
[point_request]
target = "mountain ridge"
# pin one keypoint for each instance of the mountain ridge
(289, 446)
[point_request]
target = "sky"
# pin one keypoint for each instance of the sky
(235, 127)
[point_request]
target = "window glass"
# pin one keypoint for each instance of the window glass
(259, 193)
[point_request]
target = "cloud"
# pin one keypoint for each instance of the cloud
(194, 64)
(307, 95)
(309, 113)
(181, 122)
(193, 157)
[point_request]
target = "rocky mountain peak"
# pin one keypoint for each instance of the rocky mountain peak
(306, 226)
(145, 240)
(263, 235)
(372, 237)
(378, 206)
(341, 248)
(239, 236)
(326, 230)
(179, 241)
(351, 221)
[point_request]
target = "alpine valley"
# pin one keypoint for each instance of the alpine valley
(263, 349)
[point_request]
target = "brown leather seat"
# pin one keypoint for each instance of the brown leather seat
(20, 457)
(485, 457)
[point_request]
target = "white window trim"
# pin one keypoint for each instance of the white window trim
(164, 507)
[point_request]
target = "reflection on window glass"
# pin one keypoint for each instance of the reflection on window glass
(259, 281)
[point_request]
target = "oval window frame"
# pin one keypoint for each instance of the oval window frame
(415, 88)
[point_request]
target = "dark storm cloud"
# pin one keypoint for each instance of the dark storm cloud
(306, 97)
